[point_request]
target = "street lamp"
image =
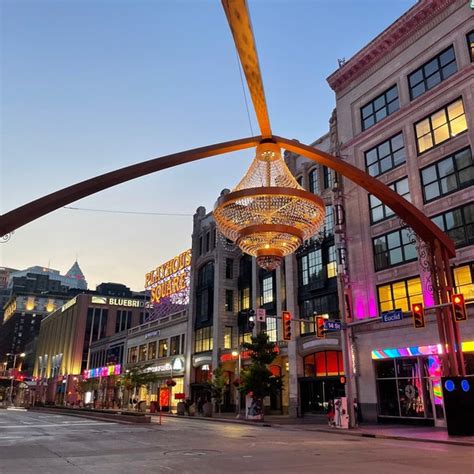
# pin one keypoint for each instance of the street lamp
(239, 368)
(13, 376)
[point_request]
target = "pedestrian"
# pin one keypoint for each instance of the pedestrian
(356, 413)
(331, 413)
(199, 405)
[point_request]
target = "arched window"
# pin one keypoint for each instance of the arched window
(324, 364)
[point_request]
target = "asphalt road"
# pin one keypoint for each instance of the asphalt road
(33, 442)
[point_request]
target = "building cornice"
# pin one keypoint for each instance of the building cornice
(397, 33)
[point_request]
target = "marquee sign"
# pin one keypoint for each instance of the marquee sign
(102, 371)
(170, 282)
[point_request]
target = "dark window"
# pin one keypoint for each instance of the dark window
(205, 293)
(311, 267)
(440, 126)
(470, 44)
(314, 181)
(214, 238)
(329, 221)
(458, 224)
(208, 241)
(163, 348)
(200, 245)
(378, 210)
(321, 305)
(229, 268)
(448, 175)
(229, 300)
(103, 323)
(327, 174)
(385, 156)
(393, 249)
(299, 180)
(174, 345)
(432, 73)
(379, 108)
(152, 350)
(267, 290)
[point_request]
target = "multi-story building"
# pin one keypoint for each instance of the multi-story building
(405, 115)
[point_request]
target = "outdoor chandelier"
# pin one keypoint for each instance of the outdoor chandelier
(268, 214)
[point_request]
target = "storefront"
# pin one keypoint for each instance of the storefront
(408, 383)
(322, 380)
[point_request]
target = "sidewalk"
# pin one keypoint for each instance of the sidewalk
(428, 434)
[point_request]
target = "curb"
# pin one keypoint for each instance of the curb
(360, 434)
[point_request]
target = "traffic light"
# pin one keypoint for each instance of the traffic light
(320, 332)
(286, 316)
(418, 314)
(459, 307)
(251, 319)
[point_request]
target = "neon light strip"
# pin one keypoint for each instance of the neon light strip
(102, 371)
(434, 349)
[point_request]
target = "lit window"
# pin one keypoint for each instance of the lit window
(432, 73)
(332, 262)
(174, 345)
(440, 126)
(464, 281)
(244, 298)
(378, 210)
(152, 350)
(142, 352)
(386, 155)
(400, 295)
(163, 348)
(379, 108)
(271, 328)
(448, 175)
(203, 339)
(393, 249)
(228, 337)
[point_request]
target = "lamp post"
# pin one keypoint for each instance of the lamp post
(13, 376)
(239, 368)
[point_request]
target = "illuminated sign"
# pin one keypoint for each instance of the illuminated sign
(9, 311)
(170, 279)
(102, 371)
(67, 305)
(177, 365)
(117, 301)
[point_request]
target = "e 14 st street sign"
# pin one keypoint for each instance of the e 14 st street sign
(390, 316)
(334, 325)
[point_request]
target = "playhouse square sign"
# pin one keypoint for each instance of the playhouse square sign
(171, 278)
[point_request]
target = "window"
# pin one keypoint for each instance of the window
(208, 241)
(448, 175)
(299, 180)
(400, 295)
(327, 174)
(271, 328)
(329, 221)
(458, 224)
(229, 268)
(245, 337)
(229, 300)
(464, 280)
(152, 350)
(311, 267)
(327, 305)
(378, 210)
(227, 337)
(440, 126)
(214, 238)
(200, 245)
(203, 340)
(470, 44)
(205, 293)
(123, 320)
(314, 181)
(323, 364)
(142, 352)
(174, 345)
(385, 156)
(432, 73)
(379, 108)
(332, 262)
(163, 348)
(267, 290)
(393, 249)
(244, 299)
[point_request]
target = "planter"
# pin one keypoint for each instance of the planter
(180, 409)
(207, 409)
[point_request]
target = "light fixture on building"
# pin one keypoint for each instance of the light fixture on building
(268, 214)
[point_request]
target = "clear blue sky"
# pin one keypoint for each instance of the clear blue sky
(91, 86)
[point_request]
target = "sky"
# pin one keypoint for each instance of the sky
(89, 86)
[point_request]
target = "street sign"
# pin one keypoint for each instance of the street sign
(334, 325)
(390, 316)
(261, 315)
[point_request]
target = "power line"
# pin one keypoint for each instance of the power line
(112, 211)
(243, 90)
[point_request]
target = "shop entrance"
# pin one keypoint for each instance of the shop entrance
(316, 393)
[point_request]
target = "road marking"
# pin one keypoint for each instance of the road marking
(95, 423)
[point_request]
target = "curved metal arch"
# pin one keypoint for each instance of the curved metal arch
(422, 225)
(29, 212)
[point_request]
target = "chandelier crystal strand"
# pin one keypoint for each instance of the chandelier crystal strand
(268, 214)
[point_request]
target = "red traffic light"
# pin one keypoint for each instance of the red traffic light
(418, 314)
(459, 307)
(320, 332)
(286, 316)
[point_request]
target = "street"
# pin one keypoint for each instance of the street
(48, 443)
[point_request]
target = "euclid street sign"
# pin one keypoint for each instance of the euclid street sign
(332, 325)
(390, 316)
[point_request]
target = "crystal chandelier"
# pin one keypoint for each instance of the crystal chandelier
(268, 214)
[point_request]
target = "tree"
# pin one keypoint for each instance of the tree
(217, 386)
(257, 380)
(138, 376)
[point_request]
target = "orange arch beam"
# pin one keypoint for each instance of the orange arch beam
(29, 212)
(422, 225)
(413, 217)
